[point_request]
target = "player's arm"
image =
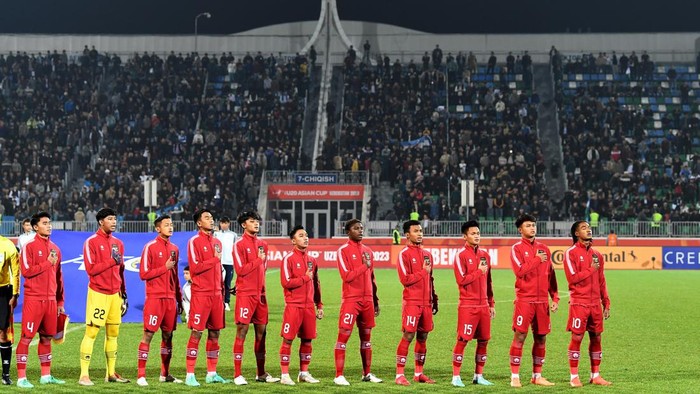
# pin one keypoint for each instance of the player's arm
(489, 285)
(407, 277)
(178, 289)
(241, 264)
(553, 286)
(573, 274)
(434, 295)
(147, 268)
(317, 288)
(347, 272)
(93, 264)
(461, 273)
(287, 278)
(60, 299)
(14, 267)
(195, 259)
(603, 287)
(375, 298)
(29, 267)
(522, 265)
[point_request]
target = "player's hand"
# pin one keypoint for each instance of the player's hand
(261, 254)
(125, 306)
(319, 314)
(376, 310)
(170, 264)
(492, 312)
(595, 266)
(232, 291)
(554, 307)
(180, 308)
(263, 299)
(606, 313)
(483, 268)
(366, 259)
(60, 310)
(542, 255)
(310, 274)
(427, 266)
(435, 308)
(53, 259)
(13, 301)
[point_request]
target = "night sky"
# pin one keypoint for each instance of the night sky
(435, 16)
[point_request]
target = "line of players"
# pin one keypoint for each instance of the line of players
(40, 264)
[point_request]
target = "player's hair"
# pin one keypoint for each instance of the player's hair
(407, 225)
(37, 217)
(294, 230)
(27, 220)
(187, 268)
(469, 224)
(245, 215)
(350, 223)
(574, 227)
(198, 214)
(104, 212)
(526, 217)
(159, 219)
(225, 219)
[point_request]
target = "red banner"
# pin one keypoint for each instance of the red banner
(316, 192)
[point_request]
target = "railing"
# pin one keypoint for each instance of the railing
(321, 177)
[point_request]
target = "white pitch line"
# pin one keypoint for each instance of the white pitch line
(36, 340)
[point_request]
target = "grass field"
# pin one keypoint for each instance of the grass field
(650, 344)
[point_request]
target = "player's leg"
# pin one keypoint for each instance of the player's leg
(47, 330)
(95, 317)
(144, 348)
(346, 322)
(259, 319)
(5, 342)
(215, 323)
(167, 328)
(227, 284)
(200, 308)
(483, 334)
(465, 333)
(307, 332)
(114, 321)
(541, 326)
(31, 318)
(285, 356)
(595, 349)
(291, 321)
(521, 321)
(365, 323)
(576, 323)
(409, 326)
(425, 325)
(243, 317)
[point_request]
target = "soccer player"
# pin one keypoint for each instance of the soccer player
(186, 293)
(43, 299)
(420, 303)
(360, 304)
(535, 282)
(27, 235)
(163, 302)
(589, 304)
(472, 268)
(207, 306)
(302, 296)
(250, 263)
(9, 293)
(106, 297)
(227, 238)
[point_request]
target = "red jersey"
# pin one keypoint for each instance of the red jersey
(104, 263)
(299, 289)
(250, 269)
(534, 279)
(205, 267)
(475, 288)
(42, 281)
(586, 284)
(418, 287)
(160, 281)
(358, 279)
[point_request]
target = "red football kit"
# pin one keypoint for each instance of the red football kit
(251, 305)
(302, 295)
(475, 293)
(162, 285)
(359, 292)
(207, 305)
(587, 288)
(103, 256)
(419, 296)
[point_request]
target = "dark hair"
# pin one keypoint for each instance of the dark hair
(526, 217)
(187, 268)
(27, 220)
(198, 214)
(245, 215)
(159, 219)
(351, 223)
(469, 224)
(225, 219)
(294, 230)
(104, 212)
(574, 227)
(37, 216)
(407, 225)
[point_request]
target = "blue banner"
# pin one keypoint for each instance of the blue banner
(417, 143)
(317, 178)
(681, 258)
(75, 278)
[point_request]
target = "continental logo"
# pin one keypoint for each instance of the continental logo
(619, 257)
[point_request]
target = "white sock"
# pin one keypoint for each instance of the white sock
(536, 375)
(211, 373)
(45, 376)
(416, 374)
(456, 377)
(477, 376)
(515, 376)
(398, 375)
(595, 374)
(189, 375)
(574, 376)
(285, 375)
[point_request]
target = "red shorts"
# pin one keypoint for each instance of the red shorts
(535, 314)
(417, 318)
(251, 309)
(299, 321)
(474, 322)
(160, 313)
(206, 312)
(39, 316)
(584, 318)
(360, 312)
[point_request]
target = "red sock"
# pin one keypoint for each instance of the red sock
(45, 357)
(401, 356)
(285, 352)
(22, 354)
(143, 358)
(458, 356)
(192, 350)
(212, 354)
(516, 355)
(260, 356)
(420, 350)
(366, 350)
(166, 353)
(304, 356)
(538, 352)
(237, 356)
(480, 356)
(574, 354)
(340, 346)
(595, 350)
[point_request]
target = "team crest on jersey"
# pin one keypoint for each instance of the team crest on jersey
(354, 257)
(298, 265)
(41, 253)
(205, 248)
(482, 260)
(217, 248)
(470, 261)
(527, 254)
(160, 254)
(247, 250)
(580, 258)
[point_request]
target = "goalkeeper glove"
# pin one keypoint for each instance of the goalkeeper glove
(125, 305)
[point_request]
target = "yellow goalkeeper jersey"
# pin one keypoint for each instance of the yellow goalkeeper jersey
(9, 265)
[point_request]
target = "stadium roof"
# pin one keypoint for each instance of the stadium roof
(435, 16)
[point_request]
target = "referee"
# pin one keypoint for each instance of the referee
(9, 292)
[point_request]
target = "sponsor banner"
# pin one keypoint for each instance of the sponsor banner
(681, 258)
(617, 257)
(316, 192)
(316, 178)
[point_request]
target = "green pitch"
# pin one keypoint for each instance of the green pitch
(650, 343)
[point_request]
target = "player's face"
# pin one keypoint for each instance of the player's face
(27, 227)
(224, 226)
(43, 228)
(584, 232)
(251, 226)
(356, 232)
(528, 230)
(109, 224)
(472, 236)
(187, 276)
(206, 222)
(415, 234)
(165, 228)
(301, 240)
